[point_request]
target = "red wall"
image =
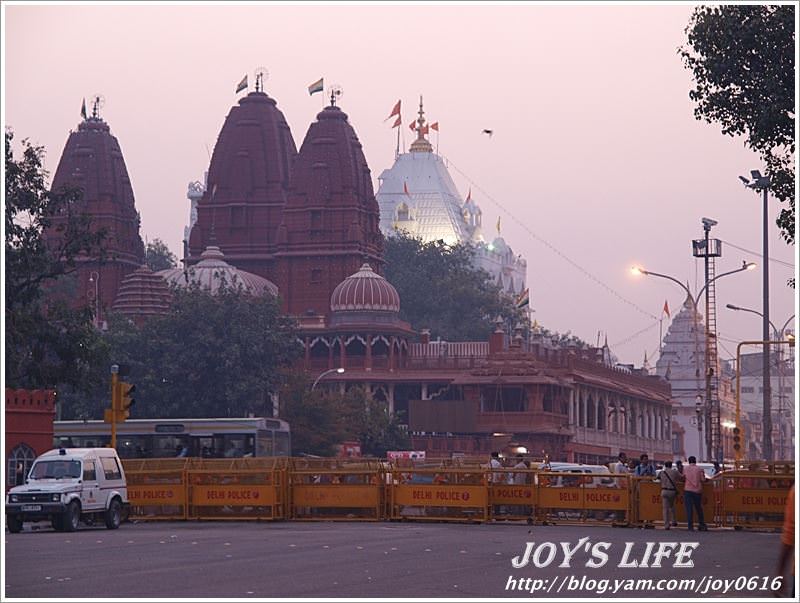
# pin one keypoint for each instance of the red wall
(29, 419)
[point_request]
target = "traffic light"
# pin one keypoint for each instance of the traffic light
(125, 399)
(737, 441)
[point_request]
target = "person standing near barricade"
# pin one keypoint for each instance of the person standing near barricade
(495, 465)
(694, 477)
(645, 468)
(668, 478)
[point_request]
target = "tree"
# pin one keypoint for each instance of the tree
(157, 256)
(47, 342)
(316, 418)
(219, 355)
(742, 59)
(440, 289)
(373, 425)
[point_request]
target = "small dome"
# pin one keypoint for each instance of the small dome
(212, 270)
(365, 290)
(142, 294)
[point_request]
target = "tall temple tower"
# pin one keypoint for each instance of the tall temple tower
(330, 222)
(248, 180)
(418, 196)
(92, 162)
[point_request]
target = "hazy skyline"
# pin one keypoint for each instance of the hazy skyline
(595, 148)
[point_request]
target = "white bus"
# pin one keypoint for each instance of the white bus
(161, 438)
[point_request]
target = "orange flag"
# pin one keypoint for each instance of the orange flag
(413, 125)
(425, 130)
(395, 111)
(435, 126)
(405, 189)
(397, 122)
(666, 308)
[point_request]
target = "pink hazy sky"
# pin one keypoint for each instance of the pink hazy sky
(595, 147)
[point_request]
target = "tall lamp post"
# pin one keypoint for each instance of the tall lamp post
(761, 184)
(94, 278)
(777, 335)
(339, 370)
(694, 300)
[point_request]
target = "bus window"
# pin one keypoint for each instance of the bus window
(265, 443)
(281, 444)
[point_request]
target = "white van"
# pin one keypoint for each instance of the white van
(68, 486)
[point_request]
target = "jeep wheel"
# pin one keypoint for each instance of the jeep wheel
(114, 514)
(72, 516)
(14, 524)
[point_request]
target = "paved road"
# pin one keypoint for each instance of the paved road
(293, 559)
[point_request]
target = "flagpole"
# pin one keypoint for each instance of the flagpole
(397, 150)
(660, 324)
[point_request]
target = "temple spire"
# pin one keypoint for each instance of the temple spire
(421, 144)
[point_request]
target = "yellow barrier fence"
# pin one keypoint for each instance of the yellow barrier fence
(648, 507)
(584, 497)
(157, 494)
(753, 499)
(445, 494)
(371, 489)
(236, 494)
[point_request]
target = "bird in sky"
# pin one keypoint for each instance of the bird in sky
(489, 132)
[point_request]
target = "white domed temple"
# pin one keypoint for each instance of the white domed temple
(418, 196)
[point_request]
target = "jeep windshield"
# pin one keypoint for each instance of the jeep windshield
(56, 470)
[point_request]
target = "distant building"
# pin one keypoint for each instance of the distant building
(783, 396)
(29, 416)
(418, 196)
(682, 363)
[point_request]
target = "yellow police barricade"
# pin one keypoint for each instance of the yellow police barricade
(649, 510)
(221, 493)
(754, 499)
(512, 494)
(568, 497)
(157, 494)
(443, 494)
(336, 489)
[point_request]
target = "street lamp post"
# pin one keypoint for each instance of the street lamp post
(777, 335)
(694, 300)
(762, 184)
(339, 370)
(698, 409)
(94, 277)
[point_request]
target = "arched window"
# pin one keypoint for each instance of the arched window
(19, 463)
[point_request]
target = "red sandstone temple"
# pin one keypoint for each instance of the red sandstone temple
(305, 225)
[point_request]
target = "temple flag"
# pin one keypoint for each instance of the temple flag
(241, 85)
(524, 299)
(316, 86)
(83, 109)
(435, 126)
(397, 122)
(405, 189)
(498, 225)
(666, 309)
(395, 111)
(413, 125)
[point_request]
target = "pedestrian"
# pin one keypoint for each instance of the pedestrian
(621, 466)
(669, 491)
(495, 465)
(694, 477)
(679, 466)
(645, 467)
(787, 541)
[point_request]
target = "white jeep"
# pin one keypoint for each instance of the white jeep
(68, 486)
